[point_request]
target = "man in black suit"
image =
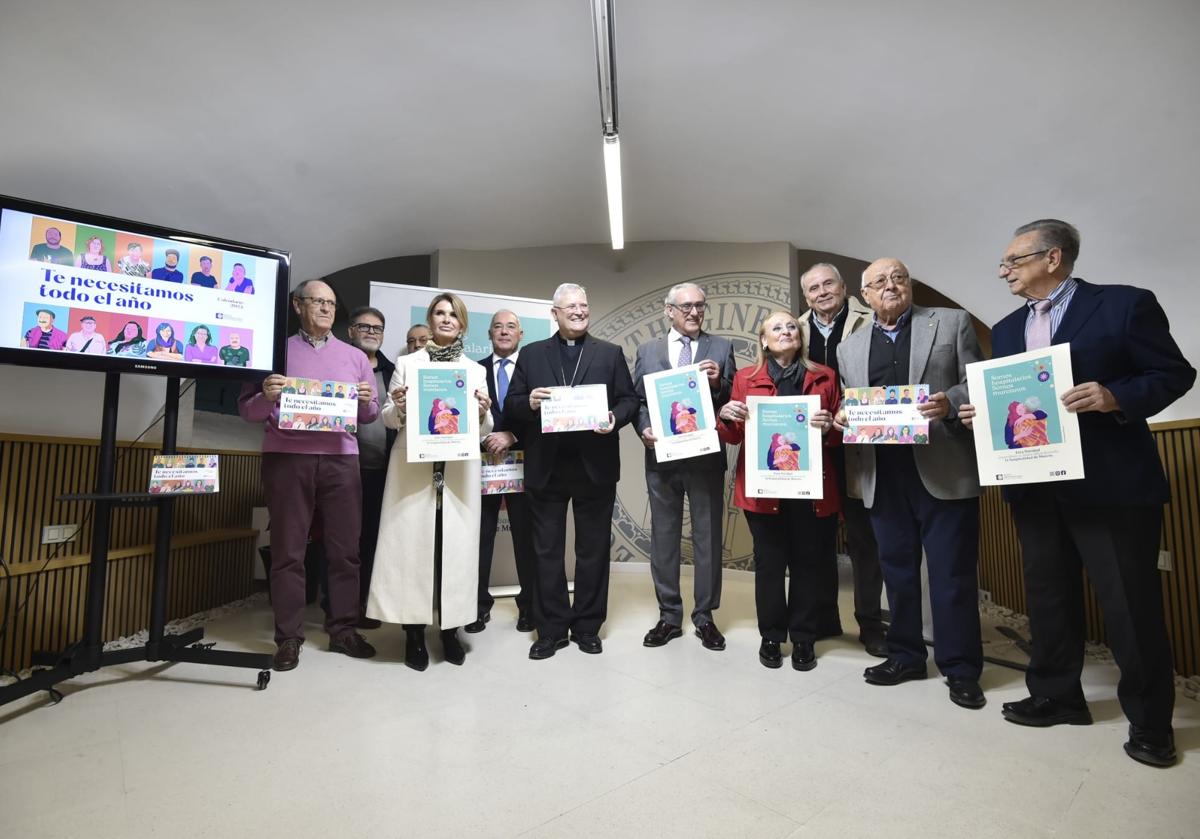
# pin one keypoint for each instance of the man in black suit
(505, 332)
(580, 468)
(1109, 522)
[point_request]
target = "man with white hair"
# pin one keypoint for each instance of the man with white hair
(576, 467)
(924, 500)
(832, 317)
(700, 479)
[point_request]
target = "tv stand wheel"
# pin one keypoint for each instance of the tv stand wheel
(264, 679)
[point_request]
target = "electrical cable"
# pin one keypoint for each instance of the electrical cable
(37, 575)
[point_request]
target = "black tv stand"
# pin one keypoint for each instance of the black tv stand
(88, 654)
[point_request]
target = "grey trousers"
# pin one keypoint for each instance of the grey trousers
(705, 491)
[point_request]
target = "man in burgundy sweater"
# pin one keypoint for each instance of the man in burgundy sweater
(307, 472)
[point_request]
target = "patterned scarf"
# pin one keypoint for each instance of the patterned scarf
(451, 352)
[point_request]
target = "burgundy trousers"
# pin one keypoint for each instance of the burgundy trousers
(297, 486)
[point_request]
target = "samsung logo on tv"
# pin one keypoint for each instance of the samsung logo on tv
(146, 366)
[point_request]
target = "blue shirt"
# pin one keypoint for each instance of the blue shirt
(168, 274)
(893, 332)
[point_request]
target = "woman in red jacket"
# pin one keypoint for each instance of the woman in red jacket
(792, 535)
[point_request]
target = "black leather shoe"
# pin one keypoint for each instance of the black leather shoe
(874, 642)
(351, 644)
(287, 655)
(525, 622)
(769, 654)
(710, 636)
(964, 692)
(479, 624)
(415, 654)
(368, 623)
(452, 647)
(804, 657)
(1151, 748)
(661, 634)
(546, 647)
(892, 672)
(1042, 711)
(589, 644)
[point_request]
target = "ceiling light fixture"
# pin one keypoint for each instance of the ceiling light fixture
(602, 20)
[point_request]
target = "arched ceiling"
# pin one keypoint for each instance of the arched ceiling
(355, 131)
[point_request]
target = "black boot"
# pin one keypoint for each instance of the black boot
(415, 654)
(452, 647)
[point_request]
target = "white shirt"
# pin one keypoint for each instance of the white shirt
(675, 346)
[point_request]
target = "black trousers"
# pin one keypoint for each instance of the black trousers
(521, 528)
(592, 505)
(796, 541)
(372, 505)
(1119, 548)
(864, 558)
(907, 519)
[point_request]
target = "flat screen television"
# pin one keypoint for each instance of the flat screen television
(82, 291)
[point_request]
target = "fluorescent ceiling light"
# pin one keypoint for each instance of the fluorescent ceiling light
(612, 178)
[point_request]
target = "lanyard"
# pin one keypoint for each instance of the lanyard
(562, 370)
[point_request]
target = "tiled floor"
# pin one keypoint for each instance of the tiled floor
(678, 741)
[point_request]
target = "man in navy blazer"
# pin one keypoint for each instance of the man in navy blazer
(505, 332)
(577, 467)
(1129, 368)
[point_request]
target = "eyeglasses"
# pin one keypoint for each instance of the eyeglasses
(688, 308)
(574, 307)
(896, 278)
(1011, 262)
(368, 328)
(320, 302)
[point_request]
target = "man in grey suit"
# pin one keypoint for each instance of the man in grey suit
(926, 496)
(701, 479)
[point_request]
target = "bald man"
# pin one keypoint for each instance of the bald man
(922, 499)
(505, 332)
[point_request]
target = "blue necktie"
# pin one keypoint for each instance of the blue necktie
(502, 383)
(685, 353)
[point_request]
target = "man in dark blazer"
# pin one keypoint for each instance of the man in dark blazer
(1129, 368)
(374, 448)
(832, 316)
(921, 497)
(505, 332)
(701, 479)
(577, 467)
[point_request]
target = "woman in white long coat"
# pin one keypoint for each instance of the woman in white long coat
(405, 586)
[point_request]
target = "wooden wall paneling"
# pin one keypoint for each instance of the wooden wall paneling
(215, 567)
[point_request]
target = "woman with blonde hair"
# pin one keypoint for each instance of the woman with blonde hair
(791, 535)
(427, 558)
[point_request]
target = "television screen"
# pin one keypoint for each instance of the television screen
(89, 292)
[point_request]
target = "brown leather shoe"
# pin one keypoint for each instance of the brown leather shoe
(287, 655)
(661, 634)
(351, 644)
(710, 636)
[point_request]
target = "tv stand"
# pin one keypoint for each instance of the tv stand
(88, 654)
